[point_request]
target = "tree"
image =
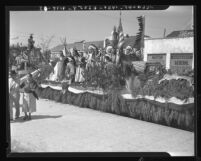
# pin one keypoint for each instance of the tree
(31, 42)
(44, 45)
(63, 41)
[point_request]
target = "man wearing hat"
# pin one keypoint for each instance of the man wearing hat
(14, 94)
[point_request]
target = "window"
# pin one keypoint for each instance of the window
(181, 61)
(160, 58)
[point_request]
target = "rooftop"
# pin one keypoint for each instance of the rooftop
(79, 46)
(181, 33)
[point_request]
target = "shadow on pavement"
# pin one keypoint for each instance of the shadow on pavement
(36, 117)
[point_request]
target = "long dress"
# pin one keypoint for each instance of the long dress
(61, 70)
(79, 71)
(53, 77)
(29, 101)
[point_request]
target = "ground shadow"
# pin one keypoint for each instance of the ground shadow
(36, 117)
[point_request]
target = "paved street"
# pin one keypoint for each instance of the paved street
(57, 127)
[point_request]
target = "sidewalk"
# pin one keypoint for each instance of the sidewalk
(57, 127)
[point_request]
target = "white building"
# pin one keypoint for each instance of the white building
(175, 52)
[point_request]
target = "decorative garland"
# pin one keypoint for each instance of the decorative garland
(179, 116)
(179, 88)
(99, 77)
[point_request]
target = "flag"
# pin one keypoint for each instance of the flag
(120, 34)
(164, 32)
(121, 39)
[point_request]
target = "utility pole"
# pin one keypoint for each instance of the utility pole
(164, 32)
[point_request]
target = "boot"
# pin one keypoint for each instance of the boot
(29, 118)
(25, 117)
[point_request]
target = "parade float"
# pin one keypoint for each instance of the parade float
(133, 88)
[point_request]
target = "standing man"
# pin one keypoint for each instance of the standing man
(14, 95)
(30, 96)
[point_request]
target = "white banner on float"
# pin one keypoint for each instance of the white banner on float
(160, 99)
(128, 96)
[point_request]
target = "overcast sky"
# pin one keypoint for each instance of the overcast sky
(94, 25)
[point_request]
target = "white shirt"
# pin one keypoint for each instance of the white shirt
(12, 85)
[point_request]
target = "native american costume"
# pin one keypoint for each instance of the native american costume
(110, 52)
(59, 69)
(92, 56)
(70, 70)
(80, 70)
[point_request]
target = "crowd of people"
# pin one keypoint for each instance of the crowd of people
(72, 66)
(29, 95)
(69, 67)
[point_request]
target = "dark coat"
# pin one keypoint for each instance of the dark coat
(70, 70)
(30, 87)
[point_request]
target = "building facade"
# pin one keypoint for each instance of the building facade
(175, 53)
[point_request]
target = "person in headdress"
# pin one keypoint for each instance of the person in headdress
(74, 55)
(70, 70)
(80, 69)
(29, 96)
(111, 52)
(128, 50)
(92, 53)
(14, 94)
